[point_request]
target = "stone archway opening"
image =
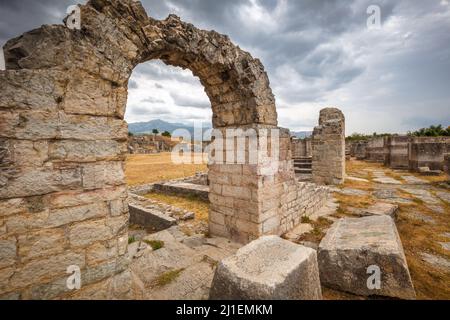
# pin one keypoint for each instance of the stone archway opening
(63, 142)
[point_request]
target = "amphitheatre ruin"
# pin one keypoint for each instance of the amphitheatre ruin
(291, 219)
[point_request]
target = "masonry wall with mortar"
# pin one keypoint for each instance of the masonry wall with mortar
(248, 200)
(328, 143)
(301, 147)
(63, 139)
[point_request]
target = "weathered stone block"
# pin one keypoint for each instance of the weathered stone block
(8, 250)
(268, 268)
(353, 246)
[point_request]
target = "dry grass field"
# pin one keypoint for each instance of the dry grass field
(142, 169)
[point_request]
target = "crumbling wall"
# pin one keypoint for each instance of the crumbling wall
(376, 150)
(147, 144)
(251, 200)
(328, 164)
(398, 152)
(301, 147)
(428, 152)
(63, 140)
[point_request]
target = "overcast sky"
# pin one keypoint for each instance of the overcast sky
(317, 53)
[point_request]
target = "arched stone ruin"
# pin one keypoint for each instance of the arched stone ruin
(63, 198)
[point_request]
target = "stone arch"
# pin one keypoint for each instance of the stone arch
(118, 35)
(63, 198)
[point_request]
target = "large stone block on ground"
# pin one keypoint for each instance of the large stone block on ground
(379, 209)
(353, 247)
(268, 268)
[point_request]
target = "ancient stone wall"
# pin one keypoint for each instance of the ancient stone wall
(358, 150)
(376, 150)
(147, 144)
(301, 147)
(397, 156)
(63, 142)
(248, 200)
(428, 152)
(328, 165)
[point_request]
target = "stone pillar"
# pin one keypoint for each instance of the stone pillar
(328, 164)
(246, 196)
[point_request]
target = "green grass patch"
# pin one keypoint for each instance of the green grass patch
(167, 277)
(155, 244)
(131, 239)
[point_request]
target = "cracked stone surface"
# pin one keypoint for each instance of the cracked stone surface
(352, 245)
(268, 268)
(182, 269)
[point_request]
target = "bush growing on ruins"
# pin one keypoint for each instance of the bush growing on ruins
(155, 131)
(166, 134)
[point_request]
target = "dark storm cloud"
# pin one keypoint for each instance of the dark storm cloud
(19, 16)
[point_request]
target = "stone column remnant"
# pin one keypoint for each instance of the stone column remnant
(328, 164)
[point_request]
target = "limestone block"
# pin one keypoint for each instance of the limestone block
(353, 246)
(42, 269)
(41, 243)
(8, 249)
(88, 232)
(381, 208)
(268, 268)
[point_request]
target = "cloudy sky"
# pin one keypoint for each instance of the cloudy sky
(317, 53)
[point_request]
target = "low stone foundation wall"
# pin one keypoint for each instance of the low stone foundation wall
(397, 156)
(428, 152)
(375, 150)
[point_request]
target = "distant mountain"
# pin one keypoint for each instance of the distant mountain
(161, 126)
(301, 134)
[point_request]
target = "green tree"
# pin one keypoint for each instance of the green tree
(166, 134)
(155, 131)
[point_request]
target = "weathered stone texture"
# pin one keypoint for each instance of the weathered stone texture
(353, 245)
(328, 165)
(63, 141)
(269, 268)
(251, 200)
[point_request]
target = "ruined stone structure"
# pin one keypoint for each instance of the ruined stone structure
(63, 142)
(358, 150)
(301, 147)
(428, 152)
(404, 152)
(328, 144)
(146, 144)
(397, 148)
(375, 150)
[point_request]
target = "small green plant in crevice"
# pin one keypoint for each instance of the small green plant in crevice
(131, 239)
(155, 244)
(167, 277)
(306, 219)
